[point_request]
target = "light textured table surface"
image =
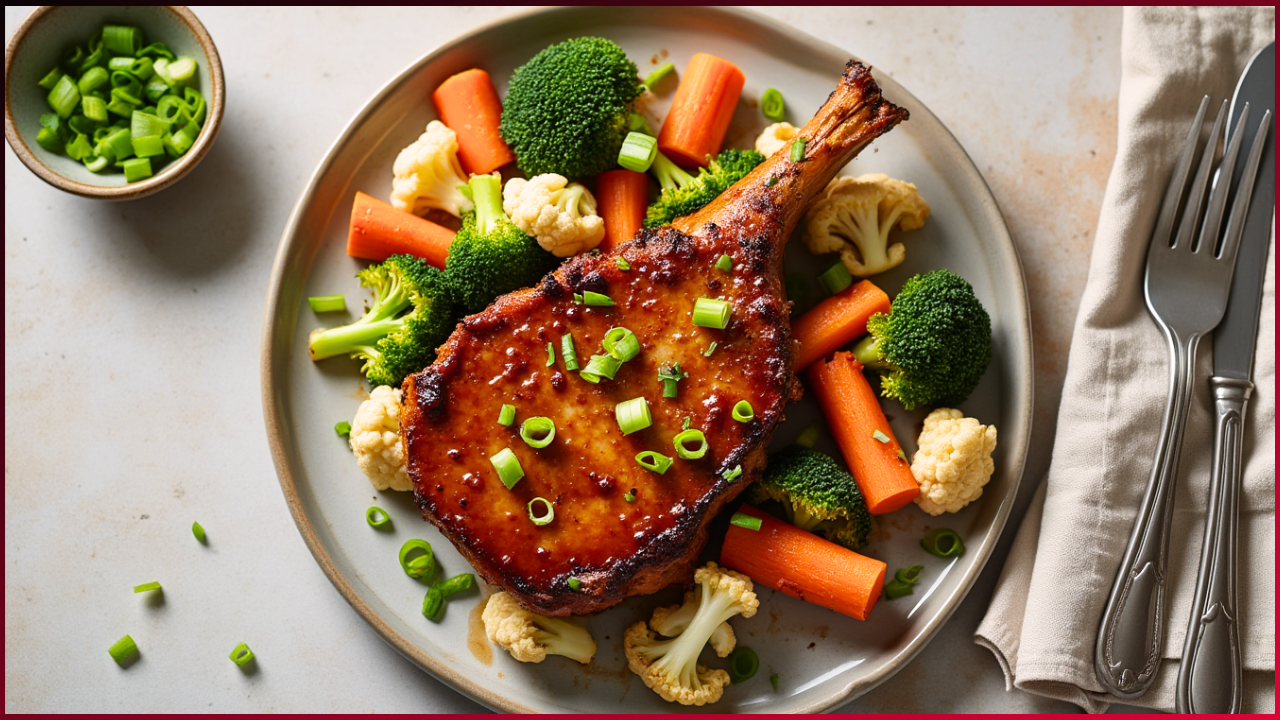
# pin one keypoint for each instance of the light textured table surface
(131, 348)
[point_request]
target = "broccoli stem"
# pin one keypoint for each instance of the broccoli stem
(486, 191)
(363, 334)
(669, 174)
(803, 519)
(868, 352)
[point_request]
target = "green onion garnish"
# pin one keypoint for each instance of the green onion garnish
(544, 518)
(123, 649)
(638, 151)
(507, 415)
(198, 531)
(688, 436)
(538, 432)
(569, 353)
(710, 349)
(94, 108)
(671, 375)
(601, 366)
(773, 680)
(772, 105)
(733, 475)
(743, 664)
(744, 520)
(153, 146)
(725, 263)
(575, 584)
(417, 559)
(771, 181)
(711, 313)
(797, 150)
(136, 169)
(621, 343)
(901, 455)
(633, 415)
(630, 496)
(377, 517)
(241, 655)
(658, 74)
(146, 587)
(343, 428)
(809, 436)
(622, 263)
(903, 582)
(433, 603)
(319, 303)
(880, 437)
(51, 79)
(743, 412)
(508, 467)
(657, 462)
(596, 299)
(457, 584)
(121, 39)
(577, 298)
(836, 278)
(64, 98)
(551, 354)
(92, 80)
(943, 542)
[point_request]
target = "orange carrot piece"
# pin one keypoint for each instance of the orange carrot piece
(803, 565)
(854, 415)
(623, 196)
(701, 110)
(469, 105)
(379, 231)
(836, 321)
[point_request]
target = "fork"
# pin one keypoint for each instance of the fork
(1188, 279)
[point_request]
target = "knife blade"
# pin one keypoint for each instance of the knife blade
(1209, 676)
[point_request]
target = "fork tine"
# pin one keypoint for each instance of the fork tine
(1240, 208)
(1163, 233)
(1195, 200)
(1222, 187)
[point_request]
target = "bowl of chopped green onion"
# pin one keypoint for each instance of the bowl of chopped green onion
(112, 103)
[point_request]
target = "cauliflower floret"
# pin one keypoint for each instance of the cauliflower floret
(530, 638)
(671, 621)
(428, 174)
(954, 461)
(375, 439)
(775, 137)
(854, 217)
(670, 667)
(561, 215)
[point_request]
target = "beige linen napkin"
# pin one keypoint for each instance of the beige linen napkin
(1047, 604)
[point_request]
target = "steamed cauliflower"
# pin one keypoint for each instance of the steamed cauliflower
(375, 439)
(428, 174)
(559, 214)
(954, 461)
(854, 217)
(775, 137)
(529, 637)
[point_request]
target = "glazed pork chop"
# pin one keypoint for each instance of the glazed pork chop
(620, 529)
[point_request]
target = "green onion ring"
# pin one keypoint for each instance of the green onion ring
(538, 432)
(655, 461)
(687, 436)
(123, 649)
(633, 415)
(743, 412)
(943, 542)
(507, 415)
(638, 152)
(241, 655)
(417, 559)
(377, 517)
(772, 105)
(601, 367)
(621, 343)
(508, 467)
(711, 313)
(743, 664)
(546, 517)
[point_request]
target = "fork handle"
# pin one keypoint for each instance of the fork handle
(1127, 653)
(1209, 677)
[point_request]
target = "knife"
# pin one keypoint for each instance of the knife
(1209, 677)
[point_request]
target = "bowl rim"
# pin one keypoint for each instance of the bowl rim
(131, 191)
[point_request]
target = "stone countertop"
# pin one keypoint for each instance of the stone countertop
(134, 329)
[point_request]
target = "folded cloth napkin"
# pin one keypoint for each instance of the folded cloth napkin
(1047, 604)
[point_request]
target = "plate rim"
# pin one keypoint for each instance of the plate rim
(1022, 379)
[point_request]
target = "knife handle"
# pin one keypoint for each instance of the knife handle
(1210, 676)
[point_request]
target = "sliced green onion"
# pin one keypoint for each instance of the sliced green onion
(433, 603)
(743, 412)
(538, 432)
(64, 98)
(809, 436)
(943, 542)
(343, 428)
(180, 142)
(622, 263)
(638, 151)
(48, 139)
(457, 584)
(621, 343)
(96, 163)
(773, 680)
(835, 278)
(507, 415)
(545, 517)
(710, 349)
(688, 436)
(155, 50)
(72, 58)
(711, 313)
(797, 150)
(170, 108)
(596, 299)
(570, 354)
(144, 124)
(657, 462)
(671, 375)
(771, 181)
(417, 558)
(319, 303)
(551, 354)
(903, 582)
(633, 415)
(658, 74)
(195, 105)
(508, 467)
(51, 78)
(123, 649)
(155, 89)
(685, 424)
(575, 584)
(78, 148)
(772, 105)
(146, 587)
(136, 169)
(182, 69)
(124, 63)
(120, 144)
(242, 655)
(733, 475)
(377, 517)
(743, 664)
(880, 437)
(577, 298)
(119, 106)
(725, 263)
(142, 69)
(122, 39)
(630, 496)
(744, 520)
(198, 531)
(92, 80)
(601, 366)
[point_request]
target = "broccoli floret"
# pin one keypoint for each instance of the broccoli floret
(411, 314)
(684, 194)
(490, 255)
(566, 110)
(933, 346)
(817, 494)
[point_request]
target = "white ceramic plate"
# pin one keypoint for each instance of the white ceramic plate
(822, 658)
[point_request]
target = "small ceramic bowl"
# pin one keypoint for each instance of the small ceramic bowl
(37, 46)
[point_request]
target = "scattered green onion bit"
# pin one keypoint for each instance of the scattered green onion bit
(319, 303)
(773, 680)
(835, 278)
(671, 375)
(944, 543)
(633, 415)
(880, 437)
(507, 415)
(538, 432)
(773, 180)
(575, 584)
(711, 313)
(577, 298)
(551, 354)
(710, 349)
(570, 354)
(622, 263)
(733, 475)
(655, 461)
(595, 299)
(743, 412)
(136, 169)
(621, 343)
(658, 74)
(544, 518)
(121, 39)
(64, 98)
(688, 436)
(457, 584)
(630, 496)
(433, 603)
(797, 150)
(744, 520)
(198, 531)
(241, 655)
(146, 587)
(772, 105)
(123, 649)
(901, 455)
(638, 152)
(508, 467)
(343, 428)
(809, 436)
(417, 558)
(903, 582)
(377, 517)
(725, 263)
(687, 421)
(601, 366)
(743, 664)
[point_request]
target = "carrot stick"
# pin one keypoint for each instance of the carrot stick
(854, 415)
(469, 105)
(379, 231)
(701, 110)
(803, 565)
(623, 196)
(837, 320)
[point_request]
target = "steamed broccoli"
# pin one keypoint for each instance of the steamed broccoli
(817, 494)
(411, 314)
(933, 346)
(490, 255)
(566, 110)
(684, 194)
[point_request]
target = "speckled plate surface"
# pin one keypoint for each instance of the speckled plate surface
(822, 658)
